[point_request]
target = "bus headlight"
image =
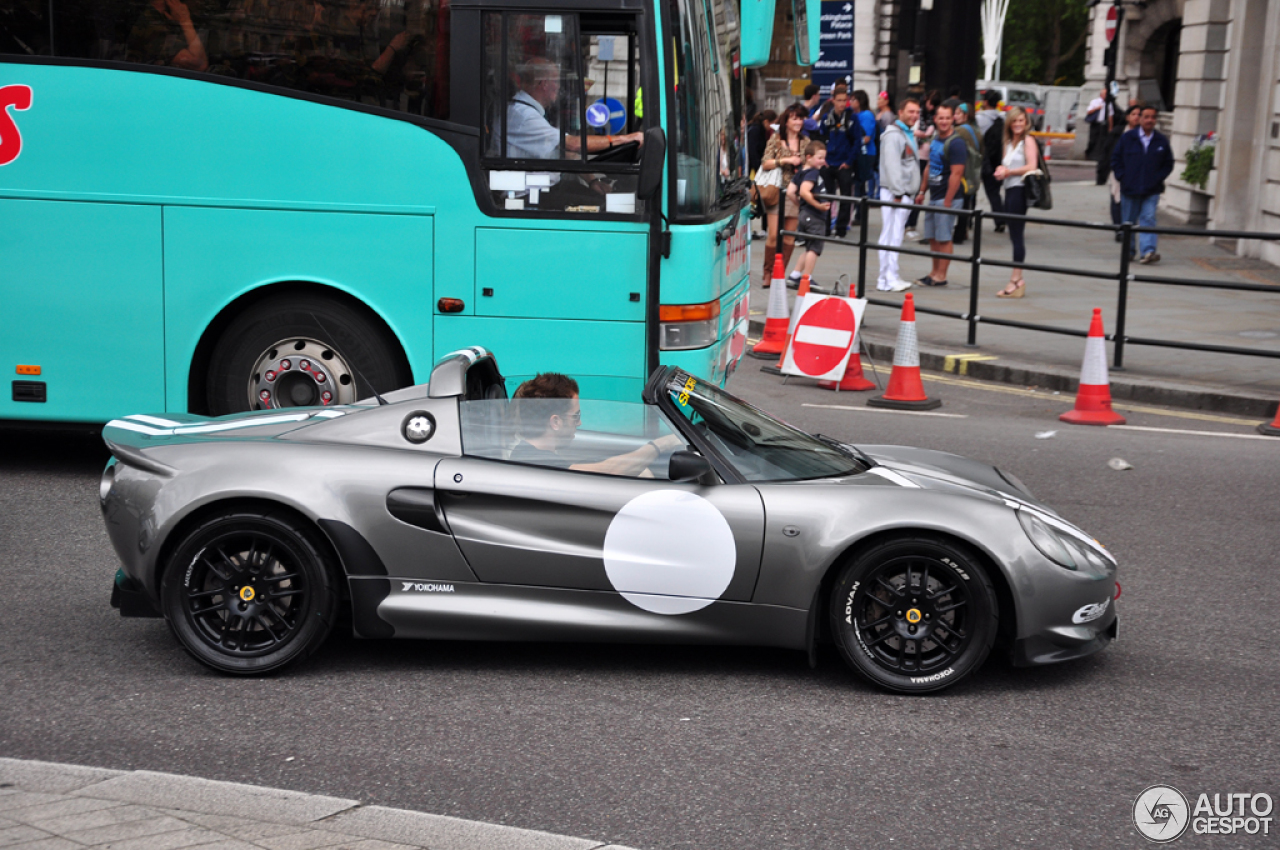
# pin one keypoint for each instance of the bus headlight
(685, 326)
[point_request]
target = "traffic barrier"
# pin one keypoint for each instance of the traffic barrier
(1272, 430)
(777, 316)
(1093, 400)
(853, 380)
(906, 390)
(776, 369)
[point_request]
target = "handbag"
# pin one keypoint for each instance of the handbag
(1039, 195)
(769, 185)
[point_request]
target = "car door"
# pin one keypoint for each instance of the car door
(666, 547)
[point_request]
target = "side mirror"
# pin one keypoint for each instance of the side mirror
(688, 466)
(651, 160)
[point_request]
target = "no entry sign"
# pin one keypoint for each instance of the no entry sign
(823, 339)
(1111, 23)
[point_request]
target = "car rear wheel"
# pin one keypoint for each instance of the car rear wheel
(914, 614)
(300, 351)
(249, 592)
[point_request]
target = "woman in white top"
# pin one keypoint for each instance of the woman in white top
(1021, 157)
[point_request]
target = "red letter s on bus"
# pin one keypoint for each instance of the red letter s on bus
(19, 97)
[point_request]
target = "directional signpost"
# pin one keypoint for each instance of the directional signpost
(835, 42)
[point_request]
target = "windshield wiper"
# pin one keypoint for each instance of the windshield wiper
(736, 195)
(847, 449)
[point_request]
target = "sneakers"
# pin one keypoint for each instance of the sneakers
(1149, 257)
(896, 286)
(911, 235)
(928, 281)
(795, 276)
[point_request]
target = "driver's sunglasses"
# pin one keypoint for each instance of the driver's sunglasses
(575, 417)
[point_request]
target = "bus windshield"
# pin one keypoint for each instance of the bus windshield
(707, 89)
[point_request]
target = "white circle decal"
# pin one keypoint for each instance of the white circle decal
(669, 552)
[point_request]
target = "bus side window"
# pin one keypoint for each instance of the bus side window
(560, 133)
(395, 56)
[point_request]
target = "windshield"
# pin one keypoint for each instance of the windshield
(708, 93)
(758, 446)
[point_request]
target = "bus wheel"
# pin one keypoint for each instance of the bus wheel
(299, 351)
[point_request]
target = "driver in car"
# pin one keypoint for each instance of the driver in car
(542, 439)
(529, 134)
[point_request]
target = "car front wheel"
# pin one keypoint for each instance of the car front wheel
(249, 592)
(914, 614)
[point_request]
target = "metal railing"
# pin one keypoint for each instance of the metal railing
(1123, 278)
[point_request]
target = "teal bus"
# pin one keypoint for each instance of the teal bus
(221, 205)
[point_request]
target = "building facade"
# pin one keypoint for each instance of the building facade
(1211, 66)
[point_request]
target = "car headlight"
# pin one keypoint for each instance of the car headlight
(1056, 545)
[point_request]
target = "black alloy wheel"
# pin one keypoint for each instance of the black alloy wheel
(248, 592)
(914, 615)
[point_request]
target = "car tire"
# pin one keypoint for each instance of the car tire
(348, 356)
(250, 592)
(914, 642)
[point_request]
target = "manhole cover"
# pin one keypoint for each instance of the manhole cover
(1260, 334)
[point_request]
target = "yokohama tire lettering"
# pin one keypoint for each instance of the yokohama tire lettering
(19, 97)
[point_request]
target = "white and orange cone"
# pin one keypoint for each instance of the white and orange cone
(853, 380)
(906, 390)
(1272, 430)
(791, 327)
(777, 317)
(1093, 400)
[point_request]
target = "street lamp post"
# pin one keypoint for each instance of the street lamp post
(1115, 17)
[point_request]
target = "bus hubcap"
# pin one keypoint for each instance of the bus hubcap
(300, 372)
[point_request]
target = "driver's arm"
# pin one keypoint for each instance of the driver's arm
(634, 462)
(597, 144)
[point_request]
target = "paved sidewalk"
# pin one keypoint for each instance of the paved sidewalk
(45, 806)
(1244, 385)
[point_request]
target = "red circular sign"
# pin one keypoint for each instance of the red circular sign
(823, 336)
(1111, 23)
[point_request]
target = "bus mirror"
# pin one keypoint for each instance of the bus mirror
(757, 32)
(655, 151)
(807, 15)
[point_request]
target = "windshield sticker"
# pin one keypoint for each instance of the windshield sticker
(689, 386)
(19, 97)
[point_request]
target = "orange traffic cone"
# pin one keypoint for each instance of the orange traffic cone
(776, 369)
(906, 392)
(1093, 400)
(853, 380)
(1272, 430)
(776, 318)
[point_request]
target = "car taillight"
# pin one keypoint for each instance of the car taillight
(685, 326)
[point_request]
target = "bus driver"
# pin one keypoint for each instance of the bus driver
(529, 134)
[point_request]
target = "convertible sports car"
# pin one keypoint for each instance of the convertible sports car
(447, 511)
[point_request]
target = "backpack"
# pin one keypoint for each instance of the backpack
(973, 165)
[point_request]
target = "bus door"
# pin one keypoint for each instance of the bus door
(562, 262)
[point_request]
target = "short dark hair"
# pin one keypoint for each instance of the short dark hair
(839, 88)
(813, 147)
(946, 106)
(908, 99)
(1152, 108)
(992, 98)
(546, 385)
(810, 90)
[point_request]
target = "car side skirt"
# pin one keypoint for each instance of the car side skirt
(451, 610)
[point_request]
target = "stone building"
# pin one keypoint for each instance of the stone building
(1211, 66)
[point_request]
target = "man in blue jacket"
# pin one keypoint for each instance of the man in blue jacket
(1141, 161)
(842, 152)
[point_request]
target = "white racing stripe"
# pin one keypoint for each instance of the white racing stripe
(885, 410)
(213, 427)
(814, 335)
(154, 420)
(1195, 433)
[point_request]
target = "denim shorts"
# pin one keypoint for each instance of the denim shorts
(940, 226)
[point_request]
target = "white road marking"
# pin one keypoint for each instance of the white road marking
(885, 410)
(1196, 433)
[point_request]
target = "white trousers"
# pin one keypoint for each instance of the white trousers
(893, 225)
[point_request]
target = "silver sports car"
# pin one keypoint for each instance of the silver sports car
(449, 511)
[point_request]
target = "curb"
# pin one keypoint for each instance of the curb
(1123, 388)
(71, 805)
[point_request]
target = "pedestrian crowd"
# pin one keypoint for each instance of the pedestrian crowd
(933, 154)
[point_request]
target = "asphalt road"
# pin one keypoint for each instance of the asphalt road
(715, 748)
